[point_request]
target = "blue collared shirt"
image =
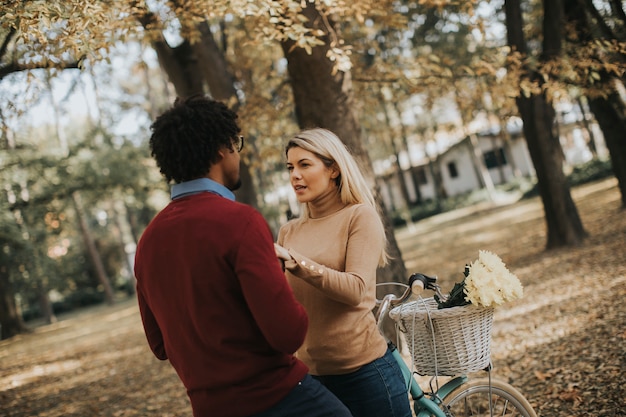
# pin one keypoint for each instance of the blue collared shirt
(200, 185)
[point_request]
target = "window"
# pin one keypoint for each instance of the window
(494, 158)
(452, 170)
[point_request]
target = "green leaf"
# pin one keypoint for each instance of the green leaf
(456, 297)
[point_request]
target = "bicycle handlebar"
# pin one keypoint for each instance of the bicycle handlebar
(417, 284)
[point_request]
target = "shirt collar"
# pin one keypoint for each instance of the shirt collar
(198, 186)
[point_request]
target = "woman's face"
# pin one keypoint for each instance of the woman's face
(310, 178)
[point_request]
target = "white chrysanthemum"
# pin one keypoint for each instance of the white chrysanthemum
(490, 283)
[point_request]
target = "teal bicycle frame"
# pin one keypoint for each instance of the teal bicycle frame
(422, 404)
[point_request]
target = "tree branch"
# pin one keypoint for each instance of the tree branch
(601, 24)
(7, 40)
(17, 67)
(618, 10)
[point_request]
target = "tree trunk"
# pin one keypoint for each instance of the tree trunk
(192, 67)
(125, 240)
(508, 152)
(478, 161)
(45, 306)
(564, 226)
(613, 125)
(591, 139)
(324, 99)
(92, 250)
(402, 135)
(404, 208)
(610, 112)
(214, 68)
(562, 219)
(477, 156)
(434, 168)
(414, 179)
(11, 322)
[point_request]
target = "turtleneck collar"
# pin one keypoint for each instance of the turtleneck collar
(326, 204)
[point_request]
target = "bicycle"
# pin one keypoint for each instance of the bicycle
(460, 396)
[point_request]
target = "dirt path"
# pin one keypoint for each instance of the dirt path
(563, 345)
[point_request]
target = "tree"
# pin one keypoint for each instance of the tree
(91, 247)
(564, 226)
(44, 239)
(331, 106)
(236, 52)
(196, 66)
(11, 250)
(605, 102)
(323, 96)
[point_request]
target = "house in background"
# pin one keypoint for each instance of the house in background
(474, 162)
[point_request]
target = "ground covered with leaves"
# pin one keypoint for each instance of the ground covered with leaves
(563, 344)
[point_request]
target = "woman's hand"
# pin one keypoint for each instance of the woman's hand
(281, 253)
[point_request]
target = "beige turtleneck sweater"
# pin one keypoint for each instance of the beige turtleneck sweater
(333, 274)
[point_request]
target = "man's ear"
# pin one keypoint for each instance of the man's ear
(220, 154)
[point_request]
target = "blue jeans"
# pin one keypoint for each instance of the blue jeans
(375, 390)
(308, 399)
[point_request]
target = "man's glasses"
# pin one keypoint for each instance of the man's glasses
(238, 143)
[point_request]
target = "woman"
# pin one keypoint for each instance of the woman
(331, 253)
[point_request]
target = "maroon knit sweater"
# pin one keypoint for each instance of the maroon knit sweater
(215, 302)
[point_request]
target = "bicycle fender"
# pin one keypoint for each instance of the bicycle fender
(451, 385)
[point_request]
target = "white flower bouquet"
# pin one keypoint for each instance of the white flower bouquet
(487, 283)
(455, 341)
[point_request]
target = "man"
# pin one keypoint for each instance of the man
(212, 296)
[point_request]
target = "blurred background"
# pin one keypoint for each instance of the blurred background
(445, 104)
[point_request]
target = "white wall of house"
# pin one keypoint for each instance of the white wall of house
(457, 170)
(459, 175)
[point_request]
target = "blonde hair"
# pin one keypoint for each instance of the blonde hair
(353, 189)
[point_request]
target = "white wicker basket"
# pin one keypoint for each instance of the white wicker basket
(457, 342)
